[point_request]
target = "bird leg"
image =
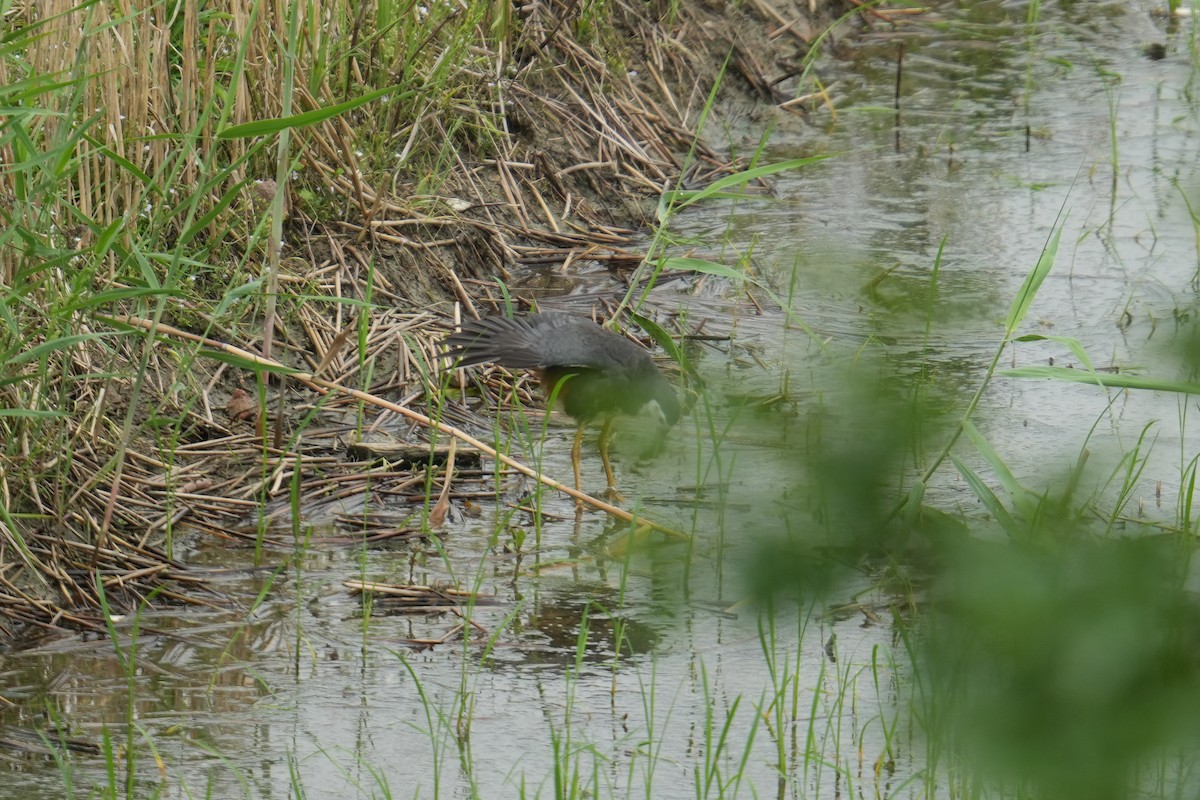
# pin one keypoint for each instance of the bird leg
(605, 437)
(575, 463)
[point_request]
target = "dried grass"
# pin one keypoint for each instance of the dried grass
(509, 141)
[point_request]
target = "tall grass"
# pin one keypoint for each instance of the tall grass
(235, 169)
(120, 196)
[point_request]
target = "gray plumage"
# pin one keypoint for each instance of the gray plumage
(609, 374)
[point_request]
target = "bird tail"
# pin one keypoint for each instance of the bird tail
(515, 342)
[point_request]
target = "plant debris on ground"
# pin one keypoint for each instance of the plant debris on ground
(316, 189)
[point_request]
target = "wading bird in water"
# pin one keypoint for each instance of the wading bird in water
(592, 372)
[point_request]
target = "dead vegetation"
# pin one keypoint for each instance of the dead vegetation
(509, 136)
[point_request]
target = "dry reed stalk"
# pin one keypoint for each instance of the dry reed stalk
(599, 142)
(324, 386)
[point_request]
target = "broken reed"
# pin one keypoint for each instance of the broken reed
(119, 196)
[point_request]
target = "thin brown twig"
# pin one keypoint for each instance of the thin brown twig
(323, 386)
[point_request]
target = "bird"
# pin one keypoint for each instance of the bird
(592, 372)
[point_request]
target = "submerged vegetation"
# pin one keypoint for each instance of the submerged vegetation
(232, 240)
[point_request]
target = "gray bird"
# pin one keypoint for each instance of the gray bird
(593, 372)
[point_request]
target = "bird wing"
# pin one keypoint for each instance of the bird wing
(548, 339)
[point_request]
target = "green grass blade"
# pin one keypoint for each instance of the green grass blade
(120, 296)
(986, 496)
(706, 267)
(54, 345)
(1072, 344)
(10, 533)
(107, 236)
(659, 335)
(722, 271)
(1016, 491)
(1033, 282)
(1007, 480)
(686, 198)
(265, 126)
(1115, 381)
(117, 158)
(218, 208)
(33, 413)
(249, 363)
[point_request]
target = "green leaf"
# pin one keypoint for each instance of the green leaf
(108, 236)
(706, 267)
(987, 497)
(719, 186)
(659, 335)
(120, 295)
(119, 160)
(54, 345)
(29, 88)
(236, 294)
(912, 503)
(1033, 282)
(250, 364)
(1021, 497)
(29, 412)
(685, 197)
(264, 126)
(1113, 381)
(722, 271)
(208, 216)
(12, 533)
(1069, 342)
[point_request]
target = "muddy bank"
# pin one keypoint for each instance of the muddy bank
(542, 137)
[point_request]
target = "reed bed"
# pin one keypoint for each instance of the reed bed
(310, 183)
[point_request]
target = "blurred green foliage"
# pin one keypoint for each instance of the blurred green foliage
(1065, 669)
(1050, 657)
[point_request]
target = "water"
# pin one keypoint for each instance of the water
(968, 175)
(302, 692)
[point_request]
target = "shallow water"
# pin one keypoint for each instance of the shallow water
(303, 692)
(855, 238)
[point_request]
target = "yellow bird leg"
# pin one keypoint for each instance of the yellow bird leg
(606, 434)
(575, 448)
